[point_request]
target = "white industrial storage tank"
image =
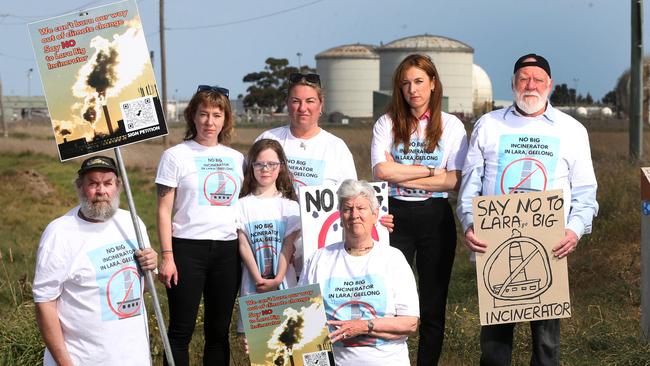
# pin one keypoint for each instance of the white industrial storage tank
(349, 75)
(482, 91)
(453, 59)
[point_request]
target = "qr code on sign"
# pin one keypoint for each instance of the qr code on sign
(139, 113)
(319, 358)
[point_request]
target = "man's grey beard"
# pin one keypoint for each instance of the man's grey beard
(530, 108)
(98, 209)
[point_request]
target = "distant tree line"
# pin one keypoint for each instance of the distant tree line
(269, 88)
(270, 85)
(563, 95)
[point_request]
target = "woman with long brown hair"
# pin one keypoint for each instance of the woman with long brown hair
(420, 151)
(198, 184)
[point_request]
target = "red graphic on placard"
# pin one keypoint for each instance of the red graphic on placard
(131, 301)
(333, 219)
(219, 197)
(322, 235)
(526, 176)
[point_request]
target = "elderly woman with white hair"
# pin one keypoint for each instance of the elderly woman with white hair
(369, 290)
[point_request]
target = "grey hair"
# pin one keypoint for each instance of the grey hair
(351, 188)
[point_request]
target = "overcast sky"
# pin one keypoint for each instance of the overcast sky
(587, 42)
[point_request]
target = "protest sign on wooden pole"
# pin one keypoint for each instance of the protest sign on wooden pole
(101, 92)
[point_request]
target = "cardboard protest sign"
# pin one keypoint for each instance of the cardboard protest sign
(97, 77)
(518, 277)
(287, 327)
(319, 216)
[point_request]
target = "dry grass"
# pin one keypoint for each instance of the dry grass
(604, 272)
(38, 139)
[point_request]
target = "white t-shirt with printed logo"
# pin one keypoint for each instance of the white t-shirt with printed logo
(267, 221)
(449, 154)
(207, 181)
(90, 269)
(322, 159)
(379, 284)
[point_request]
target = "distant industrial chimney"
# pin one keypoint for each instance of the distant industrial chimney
(108, 120)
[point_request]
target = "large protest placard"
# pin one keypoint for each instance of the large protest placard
(287, 327)
(518, 277)
(319, 216)
(97, 77)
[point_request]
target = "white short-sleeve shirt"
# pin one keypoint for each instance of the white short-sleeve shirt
(267, 221)
(322, 159)
(207, 182)
(379, 284)
(449, 154)
(90, 270)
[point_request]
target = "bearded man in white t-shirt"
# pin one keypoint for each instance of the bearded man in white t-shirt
(559, 147)
(88, 281)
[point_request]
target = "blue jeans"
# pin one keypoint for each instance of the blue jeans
(496, 343)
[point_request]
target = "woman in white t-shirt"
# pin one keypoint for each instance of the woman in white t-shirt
(315, 156)
(420, 150)
(369, 291)
(198, 185)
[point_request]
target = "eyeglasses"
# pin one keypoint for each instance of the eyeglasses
(296, 77)
(270, 165)
(217, 89)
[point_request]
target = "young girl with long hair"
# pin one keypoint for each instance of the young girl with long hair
(268, 220)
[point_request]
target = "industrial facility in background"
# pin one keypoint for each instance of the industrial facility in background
(357, 78)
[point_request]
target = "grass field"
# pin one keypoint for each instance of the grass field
(604, 273)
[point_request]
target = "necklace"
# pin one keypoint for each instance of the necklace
(358, 251)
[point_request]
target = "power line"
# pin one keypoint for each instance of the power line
(16, 57)
(29, 18)
(246, 19)
(78, 8)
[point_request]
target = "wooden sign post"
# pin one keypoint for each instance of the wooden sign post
(645, 253)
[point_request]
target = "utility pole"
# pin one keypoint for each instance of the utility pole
(29, 93)
(163, 66)
(636, 81)
(299, 65)
(5, 130)
(636, 143)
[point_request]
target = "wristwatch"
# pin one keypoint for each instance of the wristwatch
(371, 326)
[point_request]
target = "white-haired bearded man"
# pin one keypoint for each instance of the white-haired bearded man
(88, 281)
(529, 132)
